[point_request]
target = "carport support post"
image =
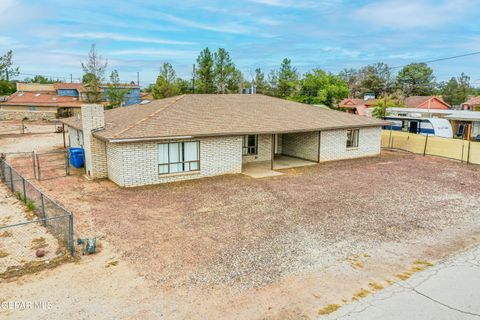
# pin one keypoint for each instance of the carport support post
(273, 151)
(319, 145)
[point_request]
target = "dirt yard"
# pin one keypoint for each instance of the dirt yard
(39, 136)
(281, 247)
(19, 244)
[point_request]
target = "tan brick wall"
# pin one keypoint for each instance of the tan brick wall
(301, 145)
(136, 163)
(30, 115)
(264, 151)
(333, 144)
(95, 149)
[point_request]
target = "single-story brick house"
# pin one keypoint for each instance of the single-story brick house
(194, 136)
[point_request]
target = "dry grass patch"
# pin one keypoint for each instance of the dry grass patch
(361, 294)
(38, 243)
(3, 253)
(375, 286)
(329, 309)
(6, 234)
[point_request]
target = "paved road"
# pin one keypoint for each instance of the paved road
(449, 290)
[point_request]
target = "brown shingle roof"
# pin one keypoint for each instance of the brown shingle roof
(213, 115)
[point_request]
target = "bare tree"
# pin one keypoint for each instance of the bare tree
(94, 74)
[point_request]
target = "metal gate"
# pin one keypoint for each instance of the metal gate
(40, 165)
(52, 164)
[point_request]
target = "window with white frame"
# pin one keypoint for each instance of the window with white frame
(352, 138)
(250, 144)
(178, 157)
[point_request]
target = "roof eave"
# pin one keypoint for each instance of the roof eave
(224, 134)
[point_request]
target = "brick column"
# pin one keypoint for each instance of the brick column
(93, 119)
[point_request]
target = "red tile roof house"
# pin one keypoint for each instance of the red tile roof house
(39, 101)
(426, 102)
(472, 104)
(194, 136)
(357, 106)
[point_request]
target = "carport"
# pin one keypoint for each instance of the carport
(286, 150)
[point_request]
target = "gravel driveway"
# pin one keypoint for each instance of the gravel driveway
(281, 247)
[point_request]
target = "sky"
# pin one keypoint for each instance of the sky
(52, 37)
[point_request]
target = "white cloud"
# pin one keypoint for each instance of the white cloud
(295, 3)
(221, 27)
(412, 14)
(119, 37)
(154, 53)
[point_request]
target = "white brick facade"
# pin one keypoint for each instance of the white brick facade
(264, 149)
(75, 138)
(136, 163)
(301, 145)
(95, 149)
(333, 144)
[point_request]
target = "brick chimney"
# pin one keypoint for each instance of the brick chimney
(93, 119)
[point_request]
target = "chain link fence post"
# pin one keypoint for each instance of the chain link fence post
(11, 180)
(70, 235)
(43, 209)
(24, 191)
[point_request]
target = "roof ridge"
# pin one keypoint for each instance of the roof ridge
(148, 117)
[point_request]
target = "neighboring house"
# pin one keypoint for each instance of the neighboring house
(49, 101)
(194, 136)
(357, 106)
(472, 104)
(426, 102)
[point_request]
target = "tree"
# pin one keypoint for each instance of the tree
(287, 79)
(40, 79)
(272, 88)
(205, 72)
(376, 78)
(226, 75)
(7, 88)
(94, 68)
(7, 70)
(320, 87)
(456, 90)
(416, 79)
(116, 91)
(166, 84)
(260, 82)
(352, 78)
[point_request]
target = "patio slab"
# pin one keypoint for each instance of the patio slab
(263, 169)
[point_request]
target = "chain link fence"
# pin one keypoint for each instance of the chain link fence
(15, 127)
(52, 226)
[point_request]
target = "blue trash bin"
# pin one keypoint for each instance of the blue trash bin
(76, 157)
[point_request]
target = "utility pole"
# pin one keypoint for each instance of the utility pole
(138, 78)
(193, 79)
(71, 78)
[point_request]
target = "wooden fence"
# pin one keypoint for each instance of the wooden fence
(463, 150)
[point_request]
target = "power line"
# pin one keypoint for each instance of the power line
(442, 59)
